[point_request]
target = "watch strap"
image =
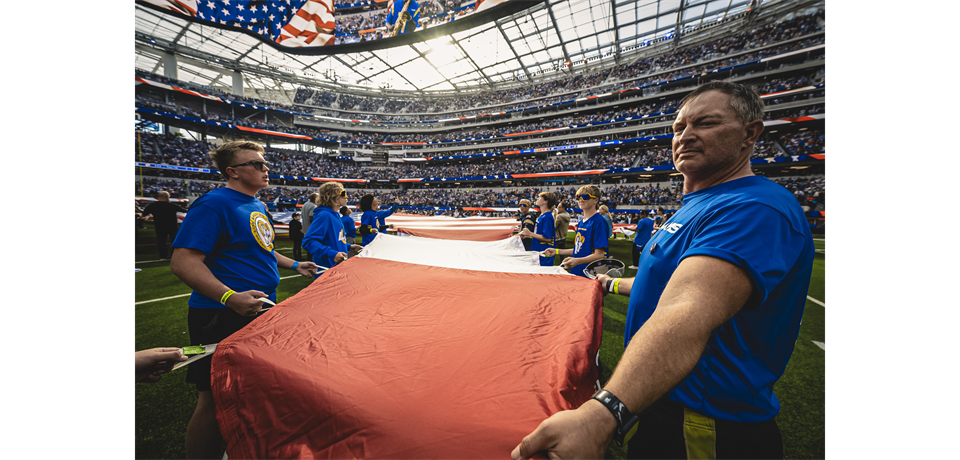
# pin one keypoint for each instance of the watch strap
(626, 421)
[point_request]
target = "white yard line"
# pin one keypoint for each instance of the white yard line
(819, 239)
(148, 261)
(816, 302)
(820, 344)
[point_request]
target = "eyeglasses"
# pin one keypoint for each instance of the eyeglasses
(585, 197)
(343, 193)
(257, 164)
(523, 205)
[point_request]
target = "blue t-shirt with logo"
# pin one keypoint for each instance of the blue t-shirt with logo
(591, 235)
(233, 231)
(757, 225)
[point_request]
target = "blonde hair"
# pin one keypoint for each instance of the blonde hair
(328, 194)
(590, 190)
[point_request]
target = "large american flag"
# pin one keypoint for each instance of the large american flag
(293, 23)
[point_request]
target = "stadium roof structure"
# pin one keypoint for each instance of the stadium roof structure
(552, 38)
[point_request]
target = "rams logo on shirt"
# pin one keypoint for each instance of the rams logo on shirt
(579, 240)
(262, 230)
(343, 238)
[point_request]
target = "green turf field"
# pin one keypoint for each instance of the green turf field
(164, 408)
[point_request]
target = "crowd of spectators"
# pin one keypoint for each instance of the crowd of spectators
(615, 196)
(623, 76)
(351, 101)
(184, 152)
(808, 190)
(467, 133)
(804, 142)
(614, 79)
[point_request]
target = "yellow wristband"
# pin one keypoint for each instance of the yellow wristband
(616, 286)
(226, 295)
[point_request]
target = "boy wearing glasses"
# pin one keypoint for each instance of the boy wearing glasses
(591, 241)
(225, 253)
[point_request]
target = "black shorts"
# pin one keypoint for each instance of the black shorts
(207, 326)
(668, 430)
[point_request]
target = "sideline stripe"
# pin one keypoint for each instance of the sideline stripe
(148, 261)
(184, 295)
(816, 301)
(820, 344)
(819, 239)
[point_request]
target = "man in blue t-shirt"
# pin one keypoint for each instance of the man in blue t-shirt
(590, 242)
(715, 310)
(224, 252)
(644, 229)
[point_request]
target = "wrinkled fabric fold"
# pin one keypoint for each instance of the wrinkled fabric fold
(386, 359)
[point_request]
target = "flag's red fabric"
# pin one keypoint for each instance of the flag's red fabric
(454, 233)
(448, 228)
(383, 359)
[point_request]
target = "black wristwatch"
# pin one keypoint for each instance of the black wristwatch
(626, 421)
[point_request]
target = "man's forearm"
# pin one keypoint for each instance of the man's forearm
(661, 353)
(623, 287)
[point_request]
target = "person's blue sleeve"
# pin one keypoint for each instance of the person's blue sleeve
(765, 245)
(200, 229)
(599, 238)
(320, 230)
(381, 216)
